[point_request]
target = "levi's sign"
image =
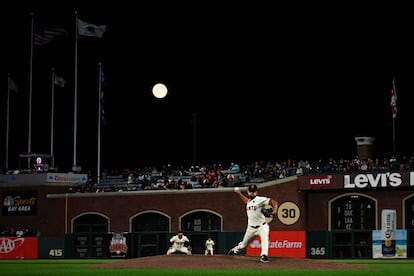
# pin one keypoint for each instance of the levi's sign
(320, 181)
(380, 180)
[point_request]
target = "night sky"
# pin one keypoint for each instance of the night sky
(246, 82)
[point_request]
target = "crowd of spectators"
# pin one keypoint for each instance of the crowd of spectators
(216, 175)
(19, 232)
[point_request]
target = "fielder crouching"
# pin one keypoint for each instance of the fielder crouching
(179, 242)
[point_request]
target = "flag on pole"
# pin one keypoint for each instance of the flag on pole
(13, 86)
(103, 84)
(90, 30)
(393, 100)
(59, 81)
(45, 36)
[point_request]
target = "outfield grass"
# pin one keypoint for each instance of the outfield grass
(84, 267)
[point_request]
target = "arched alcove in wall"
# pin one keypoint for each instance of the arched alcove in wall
(201, 221)
(150, 221)
(90, 223)
(408, 209)
(353, 211)
(200, 224)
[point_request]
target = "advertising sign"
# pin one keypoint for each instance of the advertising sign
(400, 245)
(20, 203)
(18, 248)
(389, 226)
(118, 247)
(281, 244)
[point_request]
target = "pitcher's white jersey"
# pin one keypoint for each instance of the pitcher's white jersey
(254, 207)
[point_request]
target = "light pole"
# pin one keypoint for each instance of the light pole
(194, 139)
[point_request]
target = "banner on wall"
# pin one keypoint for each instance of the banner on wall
(18, 248)
(118, 247)
(19, 203)
(281, 244)
(400, 245)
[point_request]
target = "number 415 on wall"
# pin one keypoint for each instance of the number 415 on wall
(56, 252)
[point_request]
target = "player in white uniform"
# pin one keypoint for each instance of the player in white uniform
(256, 221)
(178, 244)
(209, 247)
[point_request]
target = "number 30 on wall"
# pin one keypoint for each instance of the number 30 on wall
(288, 213)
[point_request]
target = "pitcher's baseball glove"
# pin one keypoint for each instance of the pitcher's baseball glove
(267, 212)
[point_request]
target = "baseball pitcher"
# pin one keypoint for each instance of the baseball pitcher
(257, 220)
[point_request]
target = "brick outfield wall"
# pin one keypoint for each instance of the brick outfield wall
(56, 208)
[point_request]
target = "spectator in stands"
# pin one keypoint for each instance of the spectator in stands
(19, 233)
(234, 168)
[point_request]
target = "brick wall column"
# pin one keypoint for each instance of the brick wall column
(364, 147)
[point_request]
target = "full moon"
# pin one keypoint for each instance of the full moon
(159, 90)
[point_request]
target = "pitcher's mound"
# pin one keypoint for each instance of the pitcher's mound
(227, 262)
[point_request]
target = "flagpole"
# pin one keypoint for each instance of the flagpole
(393, 137)
(394, 114)
(52, 120)
(7, 122)
(29, 143)
(98, 174)
(75, 104)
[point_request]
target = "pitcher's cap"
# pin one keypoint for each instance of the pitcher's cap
(252, 188)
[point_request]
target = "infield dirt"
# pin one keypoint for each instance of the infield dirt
(228, 262)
